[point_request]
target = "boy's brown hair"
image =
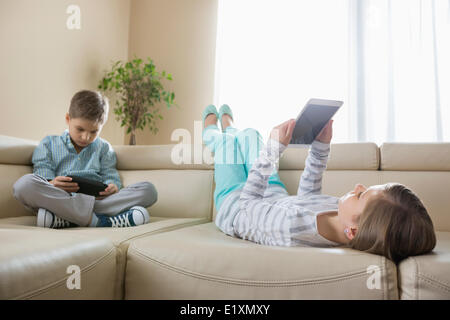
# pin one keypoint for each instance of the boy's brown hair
(90, 105)
(396, 225)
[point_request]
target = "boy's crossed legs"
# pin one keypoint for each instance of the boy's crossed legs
(36, 193)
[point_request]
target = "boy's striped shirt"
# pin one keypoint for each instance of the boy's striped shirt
(56, 156)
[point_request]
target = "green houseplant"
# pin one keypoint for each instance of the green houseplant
(138, 87)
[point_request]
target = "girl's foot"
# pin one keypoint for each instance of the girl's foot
(209, 116)
(226, 121)
(225, 116)
(210, 119)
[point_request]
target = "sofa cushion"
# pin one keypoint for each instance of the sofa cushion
(34, 265)
(335, 182)
(117, 236)
(427, 276)
(201, 262)
(9, 206)
(120, 237)
(176, 196)
(343, 156)
(181, 193)
(16, 151)
(432, 189)
(427, 156)
(168, 156)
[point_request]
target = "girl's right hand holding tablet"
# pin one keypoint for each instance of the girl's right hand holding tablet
(326, 134)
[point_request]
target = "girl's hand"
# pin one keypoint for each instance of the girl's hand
(65, 184)
(283, 132)
(111, 189)
(326, 134)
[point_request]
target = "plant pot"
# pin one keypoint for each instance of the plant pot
(132, 139)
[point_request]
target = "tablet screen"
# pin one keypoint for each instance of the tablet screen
(88, 186)
(313, 119)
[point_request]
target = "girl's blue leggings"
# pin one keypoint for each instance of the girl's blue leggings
(235, 152)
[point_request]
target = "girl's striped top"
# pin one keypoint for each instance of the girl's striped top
(267, 214)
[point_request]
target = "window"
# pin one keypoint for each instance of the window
(387, 60)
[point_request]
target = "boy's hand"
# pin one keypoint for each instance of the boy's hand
(283, 132)
(65, 184)
(326, 134)
(111, 189)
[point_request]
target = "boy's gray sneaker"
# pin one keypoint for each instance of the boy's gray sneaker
(137, 215)
(47, 219)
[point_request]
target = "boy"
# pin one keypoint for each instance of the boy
(80, 152)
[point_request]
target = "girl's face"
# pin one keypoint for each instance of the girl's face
(352, 204)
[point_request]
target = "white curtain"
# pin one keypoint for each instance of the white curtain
(388, 60)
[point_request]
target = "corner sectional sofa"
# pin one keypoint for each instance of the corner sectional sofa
(181, 254)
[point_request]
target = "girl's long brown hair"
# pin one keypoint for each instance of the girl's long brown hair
(395, 225)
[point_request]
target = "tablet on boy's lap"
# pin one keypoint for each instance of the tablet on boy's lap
(89, 186)
(312, 119)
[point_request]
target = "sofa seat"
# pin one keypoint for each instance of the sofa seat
(212, 265)
(34, 265)
(427, 276)
(119, 237)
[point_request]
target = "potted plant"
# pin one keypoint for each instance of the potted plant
(139, 90)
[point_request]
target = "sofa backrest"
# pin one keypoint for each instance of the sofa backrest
(423, 167)
(186, 190)
(15, 161)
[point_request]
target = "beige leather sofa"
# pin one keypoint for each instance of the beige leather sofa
(181, 254)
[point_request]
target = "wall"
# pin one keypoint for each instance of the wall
(180, 36)
(43, 63)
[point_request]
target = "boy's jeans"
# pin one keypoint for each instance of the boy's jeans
(235, 152)
(36, 192)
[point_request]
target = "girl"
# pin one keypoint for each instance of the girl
(253, 203)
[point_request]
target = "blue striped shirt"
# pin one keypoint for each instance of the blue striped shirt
(56, 156)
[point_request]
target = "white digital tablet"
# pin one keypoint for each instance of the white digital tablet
(312, 119)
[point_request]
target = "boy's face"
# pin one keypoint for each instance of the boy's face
(352, 204)
(83, 131)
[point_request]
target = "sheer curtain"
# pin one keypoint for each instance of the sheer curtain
(387, 60)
